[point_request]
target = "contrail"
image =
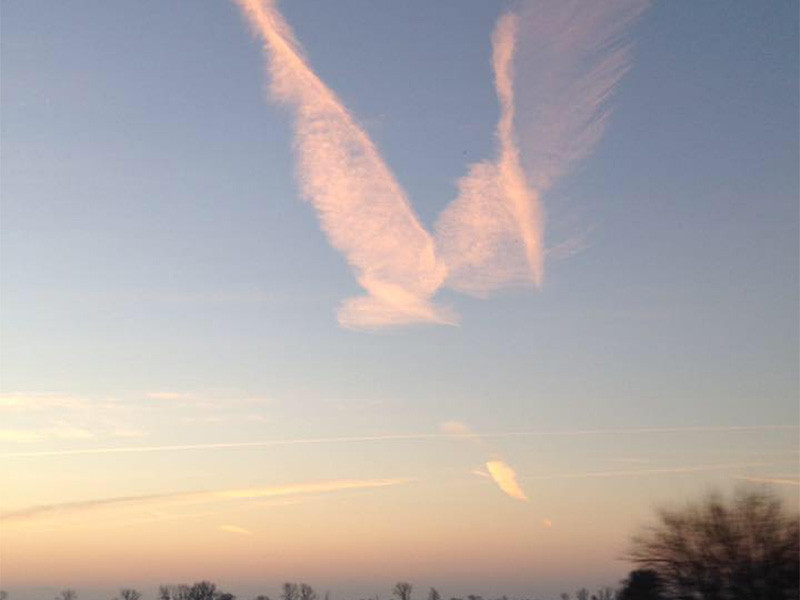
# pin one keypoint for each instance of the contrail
(639, 472)
(774, 480)
(319, 487)
(398, 438)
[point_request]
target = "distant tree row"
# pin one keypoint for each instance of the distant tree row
(744, 548)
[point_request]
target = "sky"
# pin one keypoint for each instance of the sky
(357, 292)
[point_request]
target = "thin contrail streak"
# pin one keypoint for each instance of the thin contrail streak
(775, 480)
(637, 472)
(398, 437)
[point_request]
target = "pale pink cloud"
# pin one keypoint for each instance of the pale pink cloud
(492, 234)
(363, 210)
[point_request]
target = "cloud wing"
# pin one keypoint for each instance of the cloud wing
(491, 234)
(561, 60)
(571, 58)
(363, 210)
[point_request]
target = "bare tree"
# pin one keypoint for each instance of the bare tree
(307, 592)
(290, 591)
(202, 590)
(744, 548)
(261, 597)
(402, 590)
(582, 594)
(434, 594)
(180, 592)
(67, 594)
(604, 593)
(129, 594)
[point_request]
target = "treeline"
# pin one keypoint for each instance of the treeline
(746, 547)
(206, 590)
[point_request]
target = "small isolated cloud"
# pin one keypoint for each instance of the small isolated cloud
(235, 529)
(455, 428)
(506, 479)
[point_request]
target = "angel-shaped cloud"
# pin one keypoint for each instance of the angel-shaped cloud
(567, 54)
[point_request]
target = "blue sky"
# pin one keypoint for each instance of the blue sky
(154, 241)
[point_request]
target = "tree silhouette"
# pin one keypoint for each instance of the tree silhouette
(402, 590)
(203, 590)
(745, 548)
(67, 594)
(434, 594)
(306, 592)
(642, 584)
(605, 593)
(129, 594)
(290, 591)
